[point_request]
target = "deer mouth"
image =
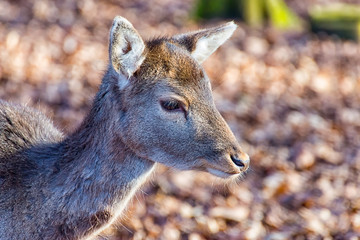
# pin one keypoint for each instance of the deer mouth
(223, 170)
(222, 174)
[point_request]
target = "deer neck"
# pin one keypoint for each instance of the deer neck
(102, 173)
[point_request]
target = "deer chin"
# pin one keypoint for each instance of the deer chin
(222, 174)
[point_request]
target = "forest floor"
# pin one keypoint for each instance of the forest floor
(292, 100)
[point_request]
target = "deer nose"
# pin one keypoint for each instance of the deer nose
(242, 160)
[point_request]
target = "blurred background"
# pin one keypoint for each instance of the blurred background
(287, 82)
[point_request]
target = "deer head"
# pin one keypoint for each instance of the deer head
(167, 112)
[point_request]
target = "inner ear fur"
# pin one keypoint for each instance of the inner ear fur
(201, 44)
(126, 48)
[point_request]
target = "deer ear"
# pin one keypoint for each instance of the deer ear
(203, 43)
(126, 48)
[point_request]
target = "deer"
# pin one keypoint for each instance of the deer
(154, 106)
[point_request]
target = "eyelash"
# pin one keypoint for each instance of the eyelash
(171, 105)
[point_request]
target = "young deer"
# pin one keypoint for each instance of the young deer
(154, 106)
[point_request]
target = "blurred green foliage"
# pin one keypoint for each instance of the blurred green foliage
(281, 17)
(340, 19)
(206, 9)
(336, 18)
(253, 12)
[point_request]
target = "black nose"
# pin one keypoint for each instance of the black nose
(242, 162)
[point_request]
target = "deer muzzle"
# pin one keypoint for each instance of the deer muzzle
(242, 161)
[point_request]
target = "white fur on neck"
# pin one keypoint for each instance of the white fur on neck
(121, 205)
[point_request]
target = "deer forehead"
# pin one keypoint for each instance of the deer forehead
(165, 60)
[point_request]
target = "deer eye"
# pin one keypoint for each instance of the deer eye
(170, 105)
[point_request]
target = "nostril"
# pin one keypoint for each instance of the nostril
(238, 162)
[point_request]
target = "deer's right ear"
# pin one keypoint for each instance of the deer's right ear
(203, 43)
(126, 48)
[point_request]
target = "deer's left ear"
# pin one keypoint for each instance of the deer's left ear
(203, 43)
(126, 48)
